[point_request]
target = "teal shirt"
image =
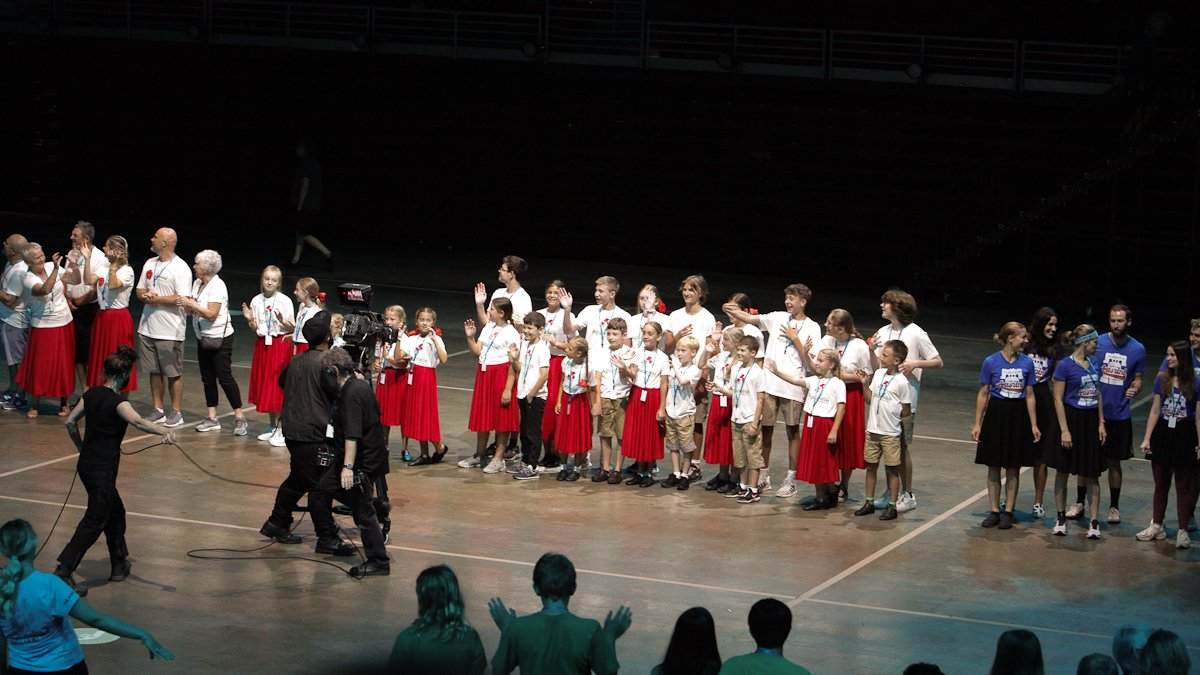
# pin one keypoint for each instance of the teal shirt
(559, 644)
(417, 653)
(761, 664)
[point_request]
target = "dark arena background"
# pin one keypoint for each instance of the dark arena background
(989, 157)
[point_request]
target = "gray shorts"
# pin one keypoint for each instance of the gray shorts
(164, 357)
(12, 343)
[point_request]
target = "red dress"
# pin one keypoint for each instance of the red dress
(48, 368)
(853, 434)
(818, 459)
(488, 413)
(573, 430)
(553, 382)
(113, 328)
(642, 440)
(391, 391)
(718, 432)
(265, 366)
(421, 405)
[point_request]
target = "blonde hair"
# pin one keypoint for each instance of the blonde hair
(610, 283)
(832, 356)
(688, 342)
(269, 269)
(842, 319)
(397, 310)
(121, 246)
(1008, 330)
(733, 334)
(310, 286)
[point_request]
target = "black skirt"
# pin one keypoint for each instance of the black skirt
(1176, 447)
(1005, 436)
(1047, 421)
(1084, 457)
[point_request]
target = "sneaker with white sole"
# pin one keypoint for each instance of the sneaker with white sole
(1039, 511)
(515, 467)
(266, 435)
(1155, 531)
(1182, 540)
(1114, 515)
(764, 483)
(1060, 527)
(549, 469)
(241, 427)
(1075, 511)
(494, 466)
(527, 472)
(907, 502)
(156, 416)
(469, 462)
(788, 489)
(277, 440)
(173, 419)
(1093, 530)
(209, 424)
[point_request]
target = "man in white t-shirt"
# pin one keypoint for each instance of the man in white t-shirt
(509, 274)
(783, 399)
(164, 279)
(900, 308)
(14, 317)
(82, 296)
(693, 320)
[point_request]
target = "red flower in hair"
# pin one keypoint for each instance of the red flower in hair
(662, 307)
(321, 296)
(753, 311)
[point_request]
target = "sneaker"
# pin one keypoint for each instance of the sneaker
(1155, 531)
(600, 476)
(1075, 511)
(1094, 530)
(173, 419)
(241, 427)
(788, 489)
(277, 440)
(526, 473)
(157, 416)
(1006, 520)
(646, 481)
(209, 424)
(882, 502)
(684, 483)
(750, 497)
(614, 477)
(1039, 511)
(738, 492)
(69, 580)
(266, 435)
(634, 480)
(562, 475)
(494, 466)
(550, 469)
(15, 403)
(1182, 540)
(1114, 515)
(515, 467)
(1060, 527)
(572, 476)
(992, 520)
(713, 483)
(694, 474)
(764, 483)
(842, 494)
(889, 513)
(866, 509)
(587, 462)
(671, 481)
(469, 462)
(907, 502)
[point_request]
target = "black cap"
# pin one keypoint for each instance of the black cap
(316, 329)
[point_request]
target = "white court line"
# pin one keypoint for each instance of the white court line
(947, 440)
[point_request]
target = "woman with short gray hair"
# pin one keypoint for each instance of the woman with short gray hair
(209, 306)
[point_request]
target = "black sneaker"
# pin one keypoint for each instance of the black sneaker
(370, 569)
(684, 484)
(120, 570)
(671, 481)
(646, 481)
(992, 520)
(281, 535)
(713, 483)
(335, 547)
(889, 513)
(634, 480)
(572, 475)
(866, 509)
(600, 477)
(1006, 520)
(694, 474)
(614, 477)
(562, 475)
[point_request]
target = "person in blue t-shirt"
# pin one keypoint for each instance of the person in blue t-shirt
(1121, 360)
(1046, 350)
(1194, 350)
(1005, 437)
(1078, 403)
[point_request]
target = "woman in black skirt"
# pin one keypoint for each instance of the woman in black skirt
(108, 414)
(1171, 442)
(1046, 350)
(1081, 422)
(1005, 436)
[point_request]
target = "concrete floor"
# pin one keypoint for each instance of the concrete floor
(869, 597)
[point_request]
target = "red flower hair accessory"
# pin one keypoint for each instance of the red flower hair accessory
(662, 307)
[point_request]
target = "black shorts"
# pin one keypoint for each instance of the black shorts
(1119, 442)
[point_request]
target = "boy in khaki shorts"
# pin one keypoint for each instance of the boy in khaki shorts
(609, 375)
(681, 411)
(745, 387)
(889, 404)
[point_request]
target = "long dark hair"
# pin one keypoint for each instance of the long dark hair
(1038, 344)
(1018, 652)
(1182, 372)
(440, 604)
(693, 647)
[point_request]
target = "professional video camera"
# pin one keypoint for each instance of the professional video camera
(364, 329)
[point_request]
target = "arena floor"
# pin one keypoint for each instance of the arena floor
(868, 596)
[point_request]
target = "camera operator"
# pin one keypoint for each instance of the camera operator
(362, 457)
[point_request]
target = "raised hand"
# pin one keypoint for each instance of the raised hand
(615, 624)
(481, 295)
(469, 328)
(565, 299)
(501, 615)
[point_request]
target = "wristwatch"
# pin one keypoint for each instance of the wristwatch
(348, 466)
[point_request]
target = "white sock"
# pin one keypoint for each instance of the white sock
(791, 475)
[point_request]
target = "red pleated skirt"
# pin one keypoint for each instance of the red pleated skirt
(113, 328)
(487, 413)
(853, 433)
(818, 459)
(718, 432)
(391, 394)
(573, 431)
(299, 348)
(421, 406)
(642, 440)
(49, 365)
(266, 365)
(553, 381)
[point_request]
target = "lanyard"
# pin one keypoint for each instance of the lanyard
(741, 380)
(572, 375)
(841, 348)
(300, 322)
(820, 392)
(270, 317)
(882, 391)
(898, 335)
(646, 369)
(412, 361)
(159, 272)
(495, 334)
(524, 370)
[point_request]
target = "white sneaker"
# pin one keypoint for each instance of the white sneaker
(240, 427)
(1114, 515)
(266, 435)
(764, 483)
(788, 489)
(1075, 511)
(1039, 511)
(494, 466)
(277, 440)
(209, 424)
(1094, 530)
(1182, 540)
(469, 462)
(907, 502)
(1155, 531)
(1060, 528)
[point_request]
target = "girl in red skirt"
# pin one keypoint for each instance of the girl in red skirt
(309, 301)
(492, 404)
(842, 337)
(426, 351)
(48, 368)
(642, 440)
(574, 403)
(718, 431)
(391, 364)
(271, 317)
(824, 408)
(555, 335)
(113, 326)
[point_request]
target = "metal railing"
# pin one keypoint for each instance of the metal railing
(709, 46)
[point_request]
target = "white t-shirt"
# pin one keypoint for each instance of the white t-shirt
(651, 366)
(824, 395)
(422, 349)
(575, 377)
(495, 343)
(613, 384)
(594, 321)
(522, 304)
(636, 321)
(173, 277)
(100, 267)
(12, 282)
(720, 365)
(681, 399)
(920, 348)
(746, 382)
(46, 311)
(533, 357)
(856, 356)
(263, 311)
(888, 394)
(554, 328)
(781, 350)
(303, 313)
(702, 324)
(214, 291)
(118, 299)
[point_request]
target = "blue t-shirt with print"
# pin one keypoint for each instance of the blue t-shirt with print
(1082, 388)
(1118, 366)
(1175, 406)
(1004, 379)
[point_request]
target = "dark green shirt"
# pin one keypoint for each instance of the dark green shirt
(417, 653)
(558, 644)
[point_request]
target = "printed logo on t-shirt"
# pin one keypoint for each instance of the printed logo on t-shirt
(1175, 406)
(1012, 382)
(1089, 391)
(1114, 368)
(1041, 367)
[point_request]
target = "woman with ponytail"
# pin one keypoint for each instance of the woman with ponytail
(113, 326)
(108, 414)
(34, 607)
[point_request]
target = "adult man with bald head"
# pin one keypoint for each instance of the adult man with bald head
(14, 319)
(164, 279)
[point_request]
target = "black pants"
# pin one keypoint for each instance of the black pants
(82, 319)
(531, 430)
(361, 500)
(303, 478)
(216, 365)
(105, 514)
(77, 669)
